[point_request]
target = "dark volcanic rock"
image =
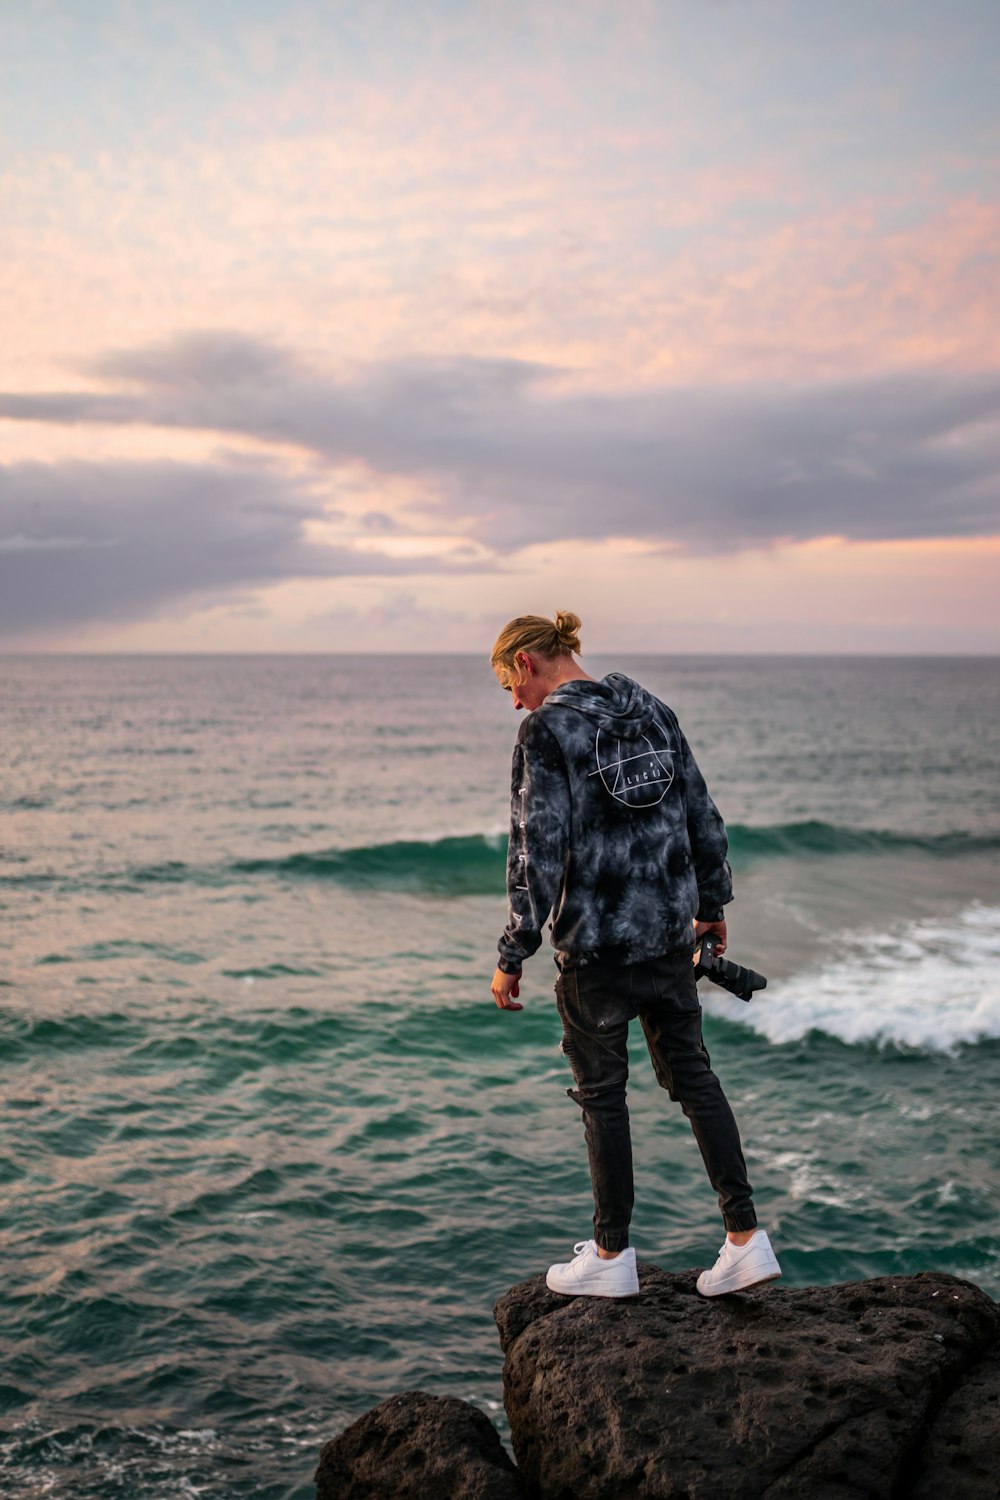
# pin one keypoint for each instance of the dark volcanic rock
(818, 1392)
(960, 1461)
(418, 1447)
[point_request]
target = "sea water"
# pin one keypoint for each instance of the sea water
(268, 1150)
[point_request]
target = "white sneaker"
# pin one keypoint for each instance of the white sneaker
(589, 1275)
(740, 1266)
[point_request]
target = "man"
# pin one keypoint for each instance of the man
(614, 833)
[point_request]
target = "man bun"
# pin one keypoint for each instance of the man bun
(568, 630)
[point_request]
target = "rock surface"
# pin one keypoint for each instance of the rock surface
(418, 1447)
(960, 1459)
(876, 1389)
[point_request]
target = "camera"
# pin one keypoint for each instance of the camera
(732, 977)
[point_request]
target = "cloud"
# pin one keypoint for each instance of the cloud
(86, 542)
(508, 452)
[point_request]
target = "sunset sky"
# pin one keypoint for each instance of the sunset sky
(365, 326)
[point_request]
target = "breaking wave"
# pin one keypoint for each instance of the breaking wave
(474, 864)
(471, 865)
(928, 985)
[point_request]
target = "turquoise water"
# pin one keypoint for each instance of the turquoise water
(268, 1150)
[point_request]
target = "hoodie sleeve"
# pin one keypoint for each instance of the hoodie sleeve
(539, 840)
(709, 841)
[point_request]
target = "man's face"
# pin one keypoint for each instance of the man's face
(531, 691)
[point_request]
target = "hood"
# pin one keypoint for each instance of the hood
(616, 703)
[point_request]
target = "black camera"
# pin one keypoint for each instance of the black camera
(732, 977)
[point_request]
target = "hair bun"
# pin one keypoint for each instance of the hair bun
(568, 630)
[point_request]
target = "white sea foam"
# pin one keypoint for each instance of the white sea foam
(930, 985)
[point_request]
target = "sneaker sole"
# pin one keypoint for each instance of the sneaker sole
(582, 1291)
(742, 1286)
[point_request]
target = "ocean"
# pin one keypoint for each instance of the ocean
(268, 1150)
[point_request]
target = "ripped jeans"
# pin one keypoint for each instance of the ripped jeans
(596, 1003)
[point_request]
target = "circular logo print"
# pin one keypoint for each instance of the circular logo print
(638, 772)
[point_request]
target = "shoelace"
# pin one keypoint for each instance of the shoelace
(581, 1246)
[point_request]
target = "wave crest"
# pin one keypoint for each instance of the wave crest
(470, 865)
(475, 864)
(928, 985)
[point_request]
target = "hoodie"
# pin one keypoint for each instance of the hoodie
(612, 831)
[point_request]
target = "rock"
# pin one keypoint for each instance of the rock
(959, 1459)
(818, 1392)
(418, 1447)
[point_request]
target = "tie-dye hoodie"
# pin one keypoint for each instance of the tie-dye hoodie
(613, 831)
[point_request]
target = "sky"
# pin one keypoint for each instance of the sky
(365, 326)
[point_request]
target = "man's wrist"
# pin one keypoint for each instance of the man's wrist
(711, 914)
(508, 966)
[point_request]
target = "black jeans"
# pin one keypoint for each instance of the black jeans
(596, 1003)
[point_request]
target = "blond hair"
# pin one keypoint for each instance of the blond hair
(538, 635)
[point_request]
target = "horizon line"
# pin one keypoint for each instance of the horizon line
(985, 655)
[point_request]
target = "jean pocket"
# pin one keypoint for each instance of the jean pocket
(604, 999)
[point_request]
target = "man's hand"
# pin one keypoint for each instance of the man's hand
(506, 986)
(700, 928)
